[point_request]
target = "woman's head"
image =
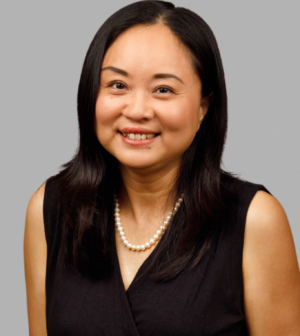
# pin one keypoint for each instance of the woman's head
(148, 88)
(197, 43)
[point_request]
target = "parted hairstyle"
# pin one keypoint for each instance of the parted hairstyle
(88, 182)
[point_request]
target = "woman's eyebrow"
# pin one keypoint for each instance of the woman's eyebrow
(124, 73)
(119, 71)
(167, 76)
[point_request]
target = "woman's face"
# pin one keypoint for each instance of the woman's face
(149, 105)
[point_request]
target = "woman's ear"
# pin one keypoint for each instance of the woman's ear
(204, 105)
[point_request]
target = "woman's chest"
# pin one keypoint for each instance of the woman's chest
(207, 300)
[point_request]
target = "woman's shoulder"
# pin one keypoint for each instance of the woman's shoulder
(266, 220)
(34, 224)
(41, 216)
(264, 215)
(41, 205)
(35, 205)
(35, 257)
(270, 267)
(34, 235)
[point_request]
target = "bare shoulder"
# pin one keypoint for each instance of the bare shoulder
(267, 231)
(35, 259)
(268, 209)
(34, 235)
(34, 225)
(35, 205)
(270, 270)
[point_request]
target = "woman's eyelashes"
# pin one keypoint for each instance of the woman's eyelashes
(164, 89)
(119, 86)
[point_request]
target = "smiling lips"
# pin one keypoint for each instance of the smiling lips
(133, 136)
(138, 134)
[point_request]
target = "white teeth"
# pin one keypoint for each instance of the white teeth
(133, 136)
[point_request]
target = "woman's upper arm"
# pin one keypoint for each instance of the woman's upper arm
(35, 256)
(271, 270)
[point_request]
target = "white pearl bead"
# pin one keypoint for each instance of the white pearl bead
(158, 232)
(125, 242)
(155, 237)
(162, 228)
(168, 218)
(171, 213)
(147, 245)
(129, 245)
(133, 247)
(118, 224)
(123, 238)
(177, 204)
(166, 222)
(180, 200)
(143, 247)
(117, 210)
(151, 241)
(120, 228)
(138, 247)
(122, 233)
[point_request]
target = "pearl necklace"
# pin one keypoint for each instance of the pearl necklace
(155, 238)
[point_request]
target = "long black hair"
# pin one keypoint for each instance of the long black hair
(88, 182)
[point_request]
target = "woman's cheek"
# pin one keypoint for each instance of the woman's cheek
(178, 118)
(108, 108)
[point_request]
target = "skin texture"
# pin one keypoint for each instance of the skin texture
(270, 268)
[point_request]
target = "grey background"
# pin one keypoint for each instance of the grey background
(43, 45)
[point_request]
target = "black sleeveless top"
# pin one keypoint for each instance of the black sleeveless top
(206, 300)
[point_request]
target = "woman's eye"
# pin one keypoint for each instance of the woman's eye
(118, 86)
(164, 90)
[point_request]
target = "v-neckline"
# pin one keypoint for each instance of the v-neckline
(137, 275)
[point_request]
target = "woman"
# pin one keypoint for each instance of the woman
(142, 233)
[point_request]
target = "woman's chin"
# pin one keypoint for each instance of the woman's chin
(138, 165)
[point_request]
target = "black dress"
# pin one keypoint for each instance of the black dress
(206, 300)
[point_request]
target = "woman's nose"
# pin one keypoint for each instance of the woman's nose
(138, 107)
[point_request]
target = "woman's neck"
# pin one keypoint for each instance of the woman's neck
(147, 196)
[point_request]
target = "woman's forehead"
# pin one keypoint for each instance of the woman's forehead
(148, 48)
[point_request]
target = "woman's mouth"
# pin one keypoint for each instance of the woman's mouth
(138, 136)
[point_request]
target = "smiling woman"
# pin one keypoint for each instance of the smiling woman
(149, 98)
(143, 223)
